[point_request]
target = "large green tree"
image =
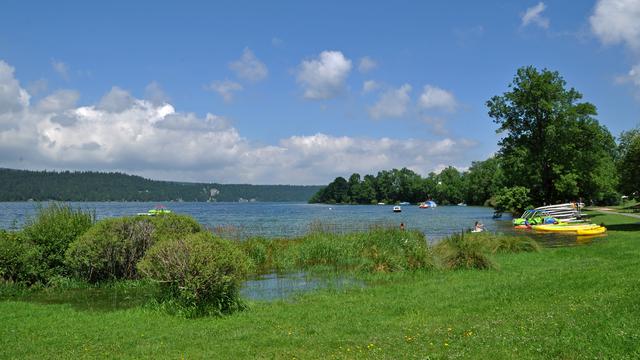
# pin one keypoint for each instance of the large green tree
(629, 162)
(552, 143)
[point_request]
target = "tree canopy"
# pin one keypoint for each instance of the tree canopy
(552, 143)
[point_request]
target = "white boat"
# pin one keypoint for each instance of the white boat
(381, 203)
(405, 203)
(462, 204)
(397, 209)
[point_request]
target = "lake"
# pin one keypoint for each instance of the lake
(240, 220)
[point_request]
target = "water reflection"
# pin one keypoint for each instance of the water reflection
(282, 286)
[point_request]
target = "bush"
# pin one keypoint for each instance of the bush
(51, 231)
(460, 251)
(20, 260)
(112, 248)
(199, 274)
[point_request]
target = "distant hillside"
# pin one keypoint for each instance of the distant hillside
(23, 185)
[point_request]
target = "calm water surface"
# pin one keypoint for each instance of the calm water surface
(286, 219)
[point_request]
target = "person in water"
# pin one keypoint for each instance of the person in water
(478, 227)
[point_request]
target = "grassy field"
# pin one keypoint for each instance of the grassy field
(571, 303)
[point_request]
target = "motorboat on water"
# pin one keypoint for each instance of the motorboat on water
(427, 204)
(397, 209)
(405, 203)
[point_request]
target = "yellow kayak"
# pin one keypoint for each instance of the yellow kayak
(594, 231)
(564, 228)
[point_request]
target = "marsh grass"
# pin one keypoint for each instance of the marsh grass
(464, 251)
(380, 249)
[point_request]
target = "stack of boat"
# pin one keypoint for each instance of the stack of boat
(568, 212)
(561, 218)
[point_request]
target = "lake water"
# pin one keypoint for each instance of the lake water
(240, 220)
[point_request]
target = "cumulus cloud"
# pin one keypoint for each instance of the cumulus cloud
(225, 89)
(248, 67)
(116, 100)
(617, 21)
(433, 97)
(366, 64)
(370, 85)
(123, 133)
(38, 87)
(13, 98)
(324, 76)
(59, 101)
(392, 103)
(61, 68)
(437, 124)
(154, 93)
(533, 15)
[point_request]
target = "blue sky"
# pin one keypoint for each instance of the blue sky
(291, 92)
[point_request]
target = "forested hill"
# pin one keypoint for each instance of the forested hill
(23, 185)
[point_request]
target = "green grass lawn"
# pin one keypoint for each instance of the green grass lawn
(570, 303)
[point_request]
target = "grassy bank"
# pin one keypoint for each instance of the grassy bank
(578, 302)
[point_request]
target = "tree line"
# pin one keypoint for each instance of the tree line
(553, 150)
(24, 185)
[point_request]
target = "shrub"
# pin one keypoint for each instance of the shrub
(112, 248)
(460, 251)
(20, 260)
(199, 274)
(52, 230)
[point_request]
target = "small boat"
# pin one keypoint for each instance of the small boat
(397, 209)
(427, 204)
(159, 210)
(405, 203)
(594, 231)
(381, 203)
(462, 204)
(565, 227)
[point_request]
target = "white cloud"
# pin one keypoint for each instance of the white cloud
(437, 124)
(370, 85)
(533, 15)
(433, 97)
(37, 87)
(154, 140)
(617, 21)
(61, 68)
(392, 103)
(154, 93)
(13, 98)
(277, 42)
(225, 89)
(366, 64)
(59, 101)
(249, 67)
(324, 77)
(116, 100)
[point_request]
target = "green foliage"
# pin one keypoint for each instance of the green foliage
(52, 230)
(199, 274)
(483, 180)
(381, 249)
(22, 185)
(20, 260)
(461, 251)
(514, 200)
(629, 163)
(552, 145)
(112, 248)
